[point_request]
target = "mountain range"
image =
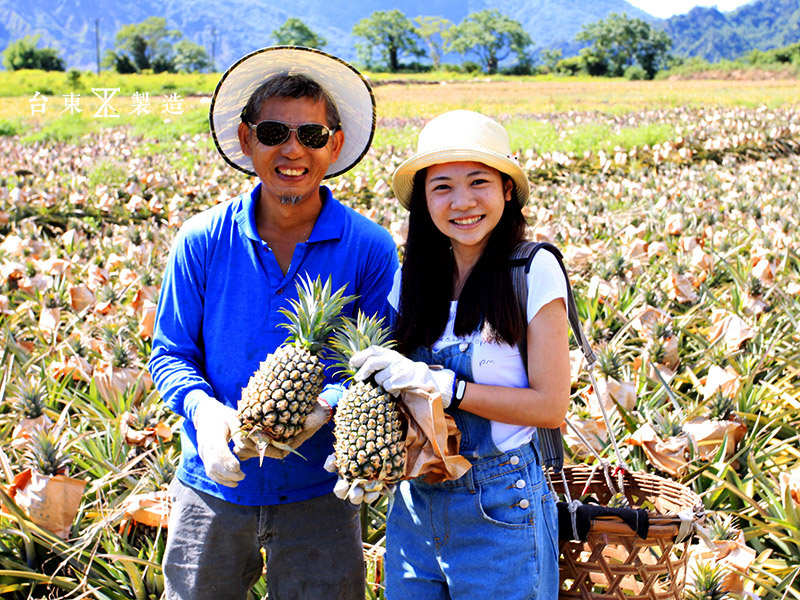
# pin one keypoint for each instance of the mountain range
(713, 35)
(229, 29)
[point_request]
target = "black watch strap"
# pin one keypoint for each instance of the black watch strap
(459, 388)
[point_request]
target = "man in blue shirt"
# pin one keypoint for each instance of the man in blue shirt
(293, 117)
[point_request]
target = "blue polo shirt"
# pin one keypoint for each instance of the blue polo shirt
(218, 319)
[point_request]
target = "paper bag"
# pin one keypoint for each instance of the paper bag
(151, 509)
(51, 501)
(432, 440)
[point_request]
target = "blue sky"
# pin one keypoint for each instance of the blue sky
(660, 8)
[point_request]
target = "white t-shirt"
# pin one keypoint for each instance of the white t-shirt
(500, 364)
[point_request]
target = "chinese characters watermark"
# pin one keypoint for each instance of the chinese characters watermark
(38, 103)
(71, 103)
(140, 103)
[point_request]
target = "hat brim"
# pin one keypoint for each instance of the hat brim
(349, 90)
(403, 178)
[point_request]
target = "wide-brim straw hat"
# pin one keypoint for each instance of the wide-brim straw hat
(461, 136)
(348, 89)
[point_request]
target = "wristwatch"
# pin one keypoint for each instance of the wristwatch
(458, 392)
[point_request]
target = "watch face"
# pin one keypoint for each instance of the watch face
(460, 389)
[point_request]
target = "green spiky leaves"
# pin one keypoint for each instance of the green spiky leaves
(315, 313)
(47, 453)
(354, 335)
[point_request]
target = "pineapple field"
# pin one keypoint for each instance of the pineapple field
(679, 223)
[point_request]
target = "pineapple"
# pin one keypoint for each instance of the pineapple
(283, 391)
(119, 352)
(722, 408)
(47, 453)
(609, 363)
(29, 398)
(370, 441)
(668, 425)
(161, 468)
(707, 583)
(657, 350)
(722, 526)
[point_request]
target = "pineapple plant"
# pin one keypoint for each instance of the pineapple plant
(707, 583)
(614, 267)
(722, 526)
(609, 363)
(29, 397)
(283, 391)
(119, 352)
(722, 407)
(46, 453)
(369, 429)
(29, 400)
(668, 425)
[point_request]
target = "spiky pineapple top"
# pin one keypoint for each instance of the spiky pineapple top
(315, 313)
(609, 363)
(707, 583)
(46, 453)
(668, 425)
(354, 335)
(162, 467)
(29, 398)
(722, 526)
(722, 407)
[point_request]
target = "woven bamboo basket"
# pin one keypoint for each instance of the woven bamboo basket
(614, 563)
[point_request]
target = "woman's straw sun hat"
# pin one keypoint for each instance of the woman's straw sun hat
(461, 136)
(348, 89)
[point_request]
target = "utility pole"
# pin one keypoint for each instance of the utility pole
(213, 48)
(97, 43)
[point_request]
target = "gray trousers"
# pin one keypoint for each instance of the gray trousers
(313, 548)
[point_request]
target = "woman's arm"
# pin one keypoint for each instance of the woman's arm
(545, 402)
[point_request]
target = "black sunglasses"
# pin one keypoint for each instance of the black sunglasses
(274, 133)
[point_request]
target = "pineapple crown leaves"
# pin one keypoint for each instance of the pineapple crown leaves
(708, 582)
(29, 396)
(722, 526)
(721, 408)
(668, 425)
(353, 336)
(315, 313)
(609, 362)
(47, 452)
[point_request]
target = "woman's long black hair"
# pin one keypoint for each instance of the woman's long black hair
(487, 299)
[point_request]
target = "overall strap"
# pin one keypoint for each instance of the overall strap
(551, 447)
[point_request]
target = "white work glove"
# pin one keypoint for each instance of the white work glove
(215, 424)
(395, 373)
(358, 490)
(249, 446)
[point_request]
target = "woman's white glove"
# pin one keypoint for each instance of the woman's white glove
(358, 490)
(395, 373)
(215, 424)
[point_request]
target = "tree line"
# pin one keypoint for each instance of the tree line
(387, 40)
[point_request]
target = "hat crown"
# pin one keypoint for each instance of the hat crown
(464, 130)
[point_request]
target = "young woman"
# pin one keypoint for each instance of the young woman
(493, 532)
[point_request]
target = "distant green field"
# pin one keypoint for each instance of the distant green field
(426, 94)
(49, 83)
(528, 106)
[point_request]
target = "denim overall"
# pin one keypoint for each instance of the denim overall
(490, 534)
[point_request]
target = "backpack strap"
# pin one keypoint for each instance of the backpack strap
(550, 444)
